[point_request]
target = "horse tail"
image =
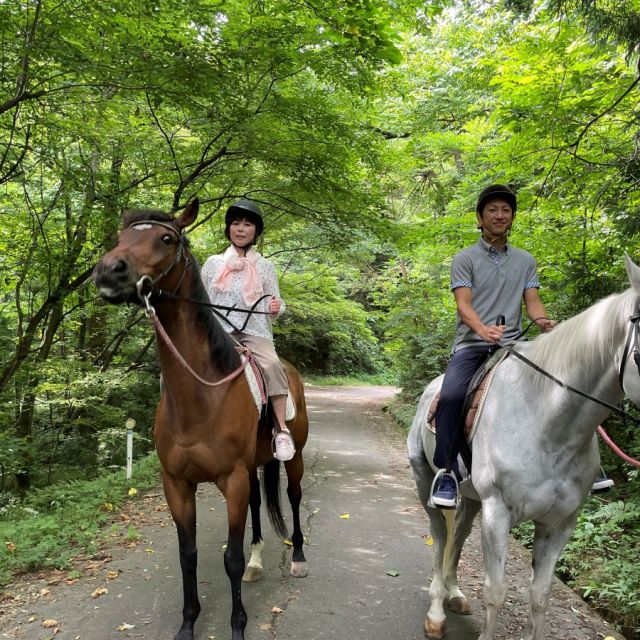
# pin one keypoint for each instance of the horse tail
(450, 522)
(271, 487)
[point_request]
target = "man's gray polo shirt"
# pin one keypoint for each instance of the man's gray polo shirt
(497, 280)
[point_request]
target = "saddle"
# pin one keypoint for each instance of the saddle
(257, 385)
(474, 398)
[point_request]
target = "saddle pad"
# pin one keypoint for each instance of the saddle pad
(474, 411)
(255, 392)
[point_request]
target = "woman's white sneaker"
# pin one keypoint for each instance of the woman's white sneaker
(283, 445)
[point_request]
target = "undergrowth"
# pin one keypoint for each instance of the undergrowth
(352, 380)
(53, 524)
(601, 559)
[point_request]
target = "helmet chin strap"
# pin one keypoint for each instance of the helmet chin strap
(492, 238)
(243, 248)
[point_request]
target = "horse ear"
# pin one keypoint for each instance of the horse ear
(189, 214)
(633, 271)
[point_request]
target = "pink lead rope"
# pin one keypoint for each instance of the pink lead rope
(160, 332)
(614, 447)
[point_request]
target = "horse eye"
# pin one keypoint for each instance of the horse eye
(167, 239)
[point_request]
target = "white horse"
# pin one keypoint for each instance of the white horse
(535, 453)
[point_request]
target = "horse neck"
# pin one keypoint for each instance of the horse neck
(189, 337)
(584, 353)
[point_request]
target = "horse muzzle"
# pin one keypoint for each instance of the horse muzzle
(116, 281)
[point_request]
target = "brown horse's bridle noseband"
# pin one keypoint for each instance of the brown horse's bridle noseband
(145, 286)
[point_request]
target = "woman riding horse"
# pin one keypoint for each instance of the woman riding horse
(241, 277)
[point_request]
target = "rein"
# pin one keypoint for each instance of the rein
(568, 387)
(160, 293)
(633, 337)
(245, 357)
(146, 288)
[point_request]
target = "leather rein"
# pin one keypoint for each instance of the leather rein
(633, 340)
(632, 346)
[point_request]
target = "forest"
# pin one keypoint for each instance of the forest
(365, 130)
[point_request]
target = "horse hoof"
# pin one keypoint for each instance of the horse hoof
(435, 630)
(460, 605)
(299, 569)
(252, 574)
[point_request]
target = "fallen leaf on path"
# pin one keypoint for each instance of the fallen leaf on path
(48, 624)
(394, 573)
(132, 492)
(113, 574)
(345, 516)
(276, 610)
(126, 627)
(288, 542)
(44, 592)
(100, 591)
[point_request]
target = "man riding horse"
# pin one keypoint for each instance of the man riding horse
(489, 279)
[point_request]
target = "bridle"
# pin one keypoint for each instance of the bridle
(146, 287)
(633, 338)
(632, 344)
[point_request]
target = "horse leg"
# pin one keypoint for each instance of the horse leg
(435, 622)
(295, 471)
(548, 544)
(253, 572)
(465, 516)
(181, 499)
(496, 523)
(236, 490)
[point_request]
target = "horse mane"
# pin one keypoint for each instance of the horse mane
(589, 338)
(223, 348)
(223, 352)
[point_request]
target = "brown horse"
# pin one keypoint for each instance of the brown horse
(207, 427)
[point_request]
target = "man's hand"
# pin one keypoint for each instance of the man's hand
(545, 324)
(492, 333)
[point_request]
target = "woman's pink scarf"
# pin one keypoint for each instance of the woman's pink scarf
(251, 288)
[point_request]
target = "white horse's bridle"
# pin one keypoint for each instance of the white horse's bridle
(632, 344)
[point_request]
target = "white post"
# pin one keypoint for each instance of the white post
(130, 424)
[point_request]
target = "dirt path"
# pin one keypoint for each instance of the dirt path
(362, 522)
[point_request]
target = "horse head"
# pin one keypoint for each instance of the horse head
(150, 252)
(630, 362)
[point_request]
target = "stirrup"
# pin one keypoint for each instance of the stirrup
(434, 484)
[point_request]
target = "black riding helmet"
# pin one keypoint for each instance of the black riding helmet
(244, 209)
(496, 191)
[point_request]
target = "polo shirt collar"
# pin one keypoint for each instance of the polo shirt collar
(490, 249)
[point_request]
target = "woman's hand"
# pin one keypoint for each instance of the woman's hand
(274, 306)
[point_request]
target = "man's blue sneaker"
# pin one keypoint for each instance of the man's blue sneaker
(446, 494)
